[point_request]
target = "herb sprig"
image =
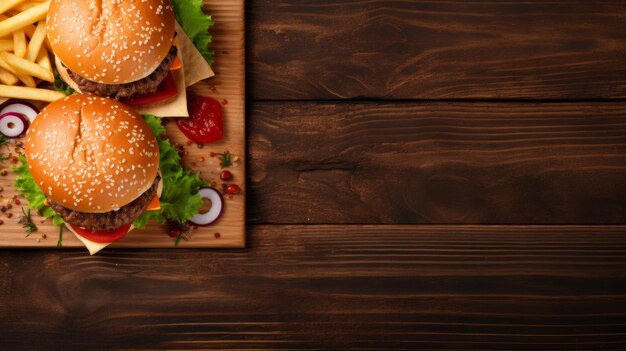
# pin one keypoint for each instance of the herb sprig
(226, 158)
(27, 222)
(60, 241)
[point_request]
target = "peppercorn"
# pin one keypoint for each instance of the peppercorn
(226, 176)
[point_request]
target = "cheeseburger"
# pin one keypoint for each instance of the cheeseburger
(96, 161)
(114, 48)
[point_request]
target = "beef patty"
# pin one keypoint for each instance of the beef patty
(108, 221)
(145, 85)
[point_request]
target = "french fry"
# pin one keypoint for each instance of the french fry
(25, 6)
(6, 45)
(25, 18)
(19, 43)
(6, 36)
(30, 93)
(43, 59)
(30, 31)
(7, 77)
(9, 4)
(26, 79)
(24, 50)
(36, 40)
(26, 67)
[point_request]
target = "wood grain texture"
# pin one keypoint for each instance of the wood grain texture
(515, 163)
(316, 49)
(228, 87)
(329, 287)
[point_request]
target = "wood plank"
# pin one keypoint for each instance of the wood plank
(530, 49)
(228, 87)
(437, 163)
(329, 287)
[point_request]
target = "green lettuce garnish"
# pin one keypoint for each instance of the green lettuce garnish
(26, 185)
(196, 24)
(60, 85)
(180, 199)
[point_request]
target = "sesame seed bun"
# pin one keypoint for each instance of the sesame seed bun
(91, 154)
(111, 41)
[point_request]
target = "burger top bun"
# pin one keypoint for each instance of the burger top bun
(111, 41)
(91, 154)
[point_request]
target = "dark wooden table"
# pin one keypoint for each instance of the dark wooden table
(423, 174)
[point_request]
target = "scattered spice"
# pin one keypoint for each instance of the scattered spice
(17, 201)
(3, 172)
(1, 189)
(174, 232)
(179, 231)
(226, 176)
(217, 235)
(233, 189)
(200, 146)
(27, 222)
(9, 215)
(43, 235)
(1, 222)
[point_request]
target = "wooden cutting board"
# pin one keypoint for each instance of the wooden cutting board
(227, 87)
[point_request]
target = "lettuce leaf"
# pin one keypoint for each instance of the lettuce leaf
(180, 199)
(26, 185)
(60, 85)
(196, 24)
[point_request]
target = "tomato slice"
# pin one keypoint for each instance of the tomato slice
(166, 90)
(102, 237)
(205, 124)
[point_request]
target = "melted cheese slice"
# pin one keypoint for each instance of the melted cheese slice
(196, 67)
(91, 246)
(155, 204)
